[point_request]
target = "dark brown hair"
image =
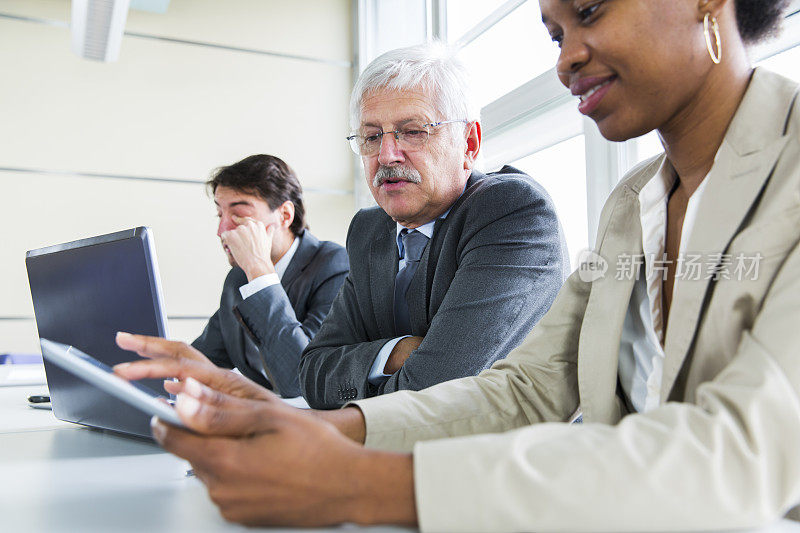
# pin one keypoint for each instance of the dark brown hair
(759, 19)
(268, 177)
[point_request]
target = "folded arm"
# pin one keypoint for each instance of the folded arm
(335, 367)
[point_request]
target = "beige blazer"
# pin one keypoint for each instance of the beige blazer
(723, 449)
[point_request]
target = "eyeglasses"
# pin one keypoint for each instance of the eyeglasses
(410, 137)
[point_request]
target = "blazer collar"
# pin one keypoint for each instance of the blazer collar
(744, 162)
(418, 290)
(306, 250)
(383, 259)
(474, 179)
(601, 332)
(644, 174)
(763, 115)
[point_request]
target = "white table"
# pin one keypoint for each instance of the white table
(61, 477)
(56, 476)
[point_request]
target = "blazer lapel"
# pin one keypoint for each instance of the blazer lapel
(734, 184)
(240, 337)
(743, 164)
(598, 352)
(383, 259)
(305, 252)
(418, 294)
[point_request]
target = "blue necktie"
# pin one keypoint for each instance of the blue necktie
(414, 244)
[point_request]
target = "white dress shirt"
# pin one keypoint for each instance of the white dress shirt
(641, 355)
(267, 280)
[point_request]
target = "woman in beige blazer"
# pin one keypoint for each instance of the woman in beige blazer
(679, 340)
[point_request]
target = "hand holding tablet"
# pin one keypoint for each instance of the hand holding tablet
(102, 376)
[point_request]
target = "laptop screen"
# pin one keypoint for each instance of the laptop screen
(83, 293)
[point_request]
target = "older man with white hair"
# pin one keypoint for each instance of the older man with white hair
(454, 267)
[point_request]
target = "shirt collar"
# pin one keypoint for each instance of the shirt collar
(425, 229)
(656, 191)
(283, 262)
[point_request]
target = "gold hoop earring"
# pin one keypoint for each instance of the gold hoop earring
(715, 57)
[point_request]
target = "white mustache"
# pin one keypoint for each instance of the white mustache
(385, 173)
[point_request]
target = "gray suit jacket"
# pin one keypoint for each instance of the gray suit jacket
(491, 270)
(278, 321)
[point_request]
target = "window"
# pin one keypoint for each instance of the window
(463, 15)
(647, 146)
(561, 170)
(513, 51)
(786, 63)
(529, 119)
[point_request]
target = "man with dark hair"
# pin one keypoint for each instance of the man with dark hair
(283, 279)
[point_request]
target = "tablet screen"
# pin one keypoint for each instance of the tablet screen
(102, 376)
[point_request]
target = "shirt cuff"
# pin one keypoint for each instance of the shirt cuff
(376, 375)
(261, 282)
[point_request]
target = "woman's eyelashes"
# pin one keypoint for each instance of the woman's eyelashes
(587, 13)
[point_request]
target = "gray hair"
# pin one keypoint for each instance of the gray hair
(431, 67)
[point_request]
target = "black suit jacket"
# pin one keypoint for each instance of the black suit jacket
(491, 270)
(278, 321)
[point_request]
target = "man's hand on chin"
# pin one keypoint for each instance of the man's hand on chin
(250, 245)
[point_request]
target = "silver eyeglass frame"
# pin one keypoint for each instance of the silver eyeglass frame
(356, 141)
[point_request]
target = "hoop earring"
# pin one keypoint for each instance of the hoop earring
(715, 57)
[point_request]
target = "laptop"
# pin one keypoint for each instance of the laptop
(85, 291)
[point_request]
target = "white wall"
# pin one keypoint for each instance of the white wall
(171, 111)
